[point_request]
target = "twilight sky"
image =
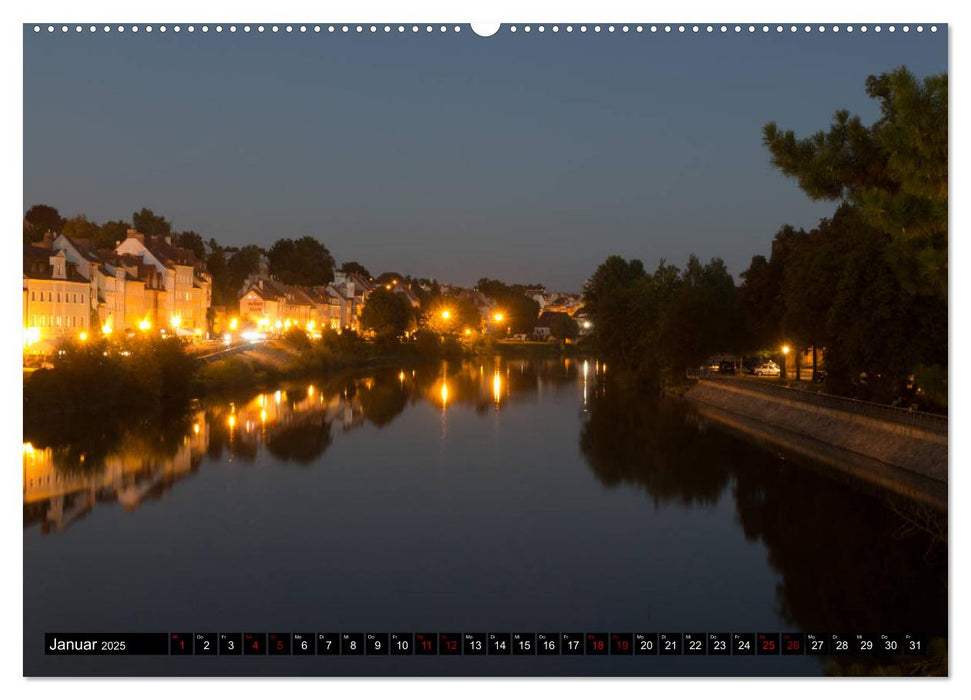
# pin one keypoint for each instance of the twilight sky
(524, 157)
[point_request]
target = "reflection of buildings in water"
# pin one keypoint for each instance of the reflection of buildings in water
(56, 496)
(264, 413)
(299, 420)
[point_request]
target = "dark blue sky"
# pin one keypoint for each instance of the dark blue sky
(524, 157)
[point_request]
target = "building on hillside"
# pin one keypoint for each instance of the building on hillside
(584, 321)
(540, 296)
(56, 301)
(188, 288)
(409, 295)
(269, 304)
(125, 293)
(565, 303)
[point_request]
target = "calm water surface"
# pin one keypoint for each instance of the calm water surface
(470, 497)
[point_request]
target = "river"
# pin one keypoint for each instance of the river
(476, 496)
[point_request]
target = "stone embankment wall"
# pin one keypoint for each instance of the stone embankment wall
(909, 459)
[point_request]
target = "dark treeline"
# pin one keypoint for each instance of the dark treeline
(868, 285)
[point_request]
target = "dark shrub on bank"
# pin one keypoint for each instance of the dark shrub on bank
(98, 372)
(297, 338)
(233, 372)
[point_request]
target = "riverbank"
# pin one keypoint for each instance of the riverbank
(905, 454)
(128, 374)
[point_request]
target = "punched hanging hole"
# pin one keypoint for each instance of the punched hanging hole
(485, 28)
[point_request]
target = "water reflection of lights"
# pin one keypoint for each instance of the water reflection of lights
(444, 394)
(497, 386)
(310, 390)
(232, 422)
(586, 371)
(195, 428)
(278, 396)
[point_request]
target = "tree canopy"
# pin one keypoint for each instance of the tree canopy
(387, 313)
(191, 241)
(893, 172)
(355, 267)
(304, 261)
(519, 310)
(149, 223)
(40, 219)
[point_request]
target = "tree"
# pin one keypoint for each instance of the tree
(40, 219)
(243, 263)
(609, 296)
(893, 172)
(305, 261)
(191, 241)
(871, 281)
(698, 318)
(357, 268)
(111, 234)
(563, 326)
(80, 227)
(387, 313)
(149, 223)
(218, 268)
(760, 299)
(388, 278)
(447, 314)
(518, 309)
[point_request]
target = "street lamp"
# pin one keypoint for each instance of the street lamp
(785, 363)
(446, 314)
(497, 317)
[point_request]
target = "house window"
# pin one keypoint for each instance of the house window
(82, 297)
(58, 297)
(33, 296)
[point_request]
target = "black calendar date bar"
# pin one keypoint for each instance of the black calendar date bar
(105, 643)
(375, 644)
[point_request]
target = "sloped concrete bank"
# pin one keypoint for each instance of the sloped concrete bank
(908, 460)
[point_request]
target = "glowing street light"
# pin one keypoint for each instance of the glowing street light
(785, 349)
(82, 336)
(31, 335)
(176, 321)
(233, 323)
(144, 325)
(106, 329)
(497, 317)
(446, 314)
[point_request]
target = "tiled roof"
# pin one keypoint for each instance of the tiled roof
(168, 253)
(37, 265)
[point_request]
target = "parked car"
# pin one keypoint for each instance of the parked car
(767, 369)
(726, 367)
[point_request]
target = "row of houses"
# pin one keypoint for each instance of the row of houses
(147, 282)
(144, 282)
(268, 303)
